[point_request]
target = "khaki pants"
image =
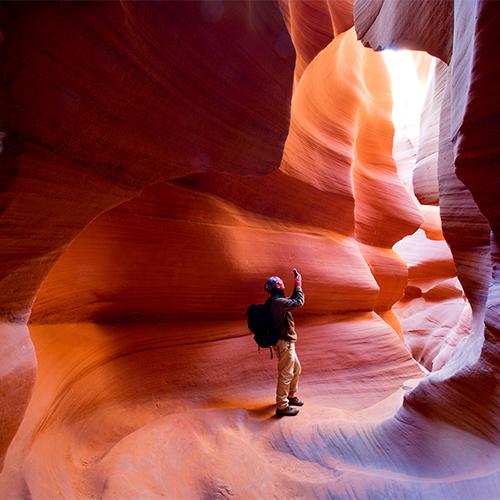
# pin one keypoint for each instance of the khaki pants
(288, 372)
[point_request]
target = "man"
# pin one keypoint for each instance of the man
(288, 363)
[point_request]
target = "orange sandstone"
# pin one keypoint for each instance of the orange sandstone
(149, 189)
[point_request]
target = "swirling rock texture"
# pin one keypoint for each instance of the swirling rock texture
(75, 144)
(465, 393)
(434, 312)
(149, 189)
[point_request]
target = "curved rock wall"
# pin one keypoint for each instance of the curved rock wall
(116, 108)
(179, 212)
(434, 312)
(137, 261)
(392, 24)
(306, 211)
(464, 394)
(81, 145)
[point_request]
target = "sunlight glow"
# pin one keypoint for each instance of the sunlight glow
(410, 73)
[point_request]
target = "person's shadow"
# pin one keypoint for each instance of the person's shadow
(260, 412)
(264, 411)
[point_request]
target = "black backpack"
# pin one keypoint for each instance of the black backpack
(261, 324)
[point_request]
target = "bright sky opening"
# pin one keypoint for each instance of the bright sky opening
(410, 74)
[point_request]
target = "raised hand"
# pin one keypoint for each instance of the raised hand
(298, 278)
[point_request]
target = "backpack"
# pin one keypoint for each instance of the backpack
(261, 324)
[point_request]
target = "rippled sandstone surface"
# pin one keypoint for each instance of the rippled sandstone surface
(164, 167)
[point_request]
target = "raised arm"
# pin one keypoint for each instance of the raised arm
(294, 301)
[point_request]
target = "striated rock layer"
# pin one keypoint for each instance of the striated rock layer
(117, 108)
(465, 222)
(150, 189)
(126, 95)
(434, 312)
(183, 409)
(465, 393)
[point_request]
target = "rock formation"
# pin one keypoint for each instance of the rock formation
(75, 144)
(159, 161)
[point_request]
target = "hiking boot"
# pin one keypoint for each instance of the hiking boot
(295, 401)
(286, 412)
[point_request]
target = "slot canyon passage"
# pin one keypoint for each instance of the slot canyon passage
(161, 159)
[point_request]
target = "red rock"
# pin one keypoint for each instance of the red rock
(136, 261)
(144, 188)
(463, 394)
(196, 391)
(80, 144)
(101, 102)
(17, 372)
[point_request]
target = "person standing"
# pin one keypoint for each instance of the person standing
(289, 368)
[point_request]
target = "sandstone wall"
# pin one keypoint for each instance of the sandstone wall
(163, 167)
(467, 212)
(101, 100)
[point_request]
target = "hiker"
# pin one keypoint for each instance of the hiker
(288, 363)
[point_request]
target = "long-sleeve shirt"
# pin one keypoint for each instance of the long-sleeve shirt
(283, 319)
